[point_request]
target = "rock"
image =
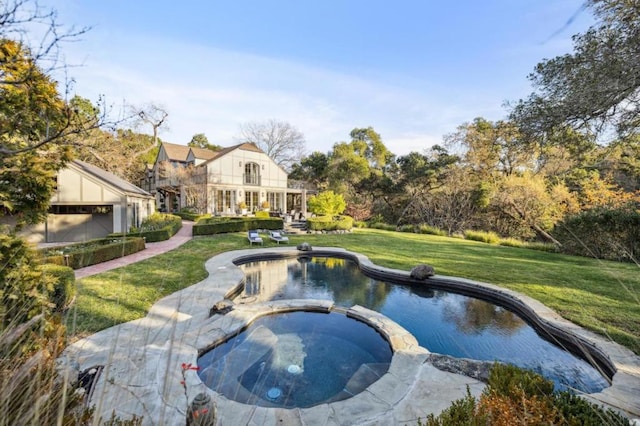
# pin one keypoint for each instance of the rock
(304, 247)
(478, 370)
(422, 272)
(221, 308)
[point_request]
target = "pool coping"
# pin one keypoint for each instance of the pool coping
(142, 359)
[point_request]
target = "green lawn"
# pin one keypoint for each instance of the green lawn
(599, 295)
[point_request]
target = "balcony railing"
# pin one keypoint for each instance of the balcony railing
(251, 179)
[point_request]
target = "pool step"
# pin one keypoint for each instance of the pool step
(226, 371)
(364, 376)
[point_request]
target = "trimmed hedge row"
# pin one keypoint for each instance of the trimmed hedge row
(330, 223)
(64, 286)
(193, 217)
(221, 226)
(95, 251)
(171, 224)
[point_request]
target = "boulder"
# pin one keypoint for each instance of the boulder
(304, 247)
(422, 272)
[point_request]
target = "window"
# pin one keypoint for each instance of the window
(252, 174)
(82, 209)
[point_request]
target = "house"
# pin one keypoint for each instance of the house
(90, 203)
(223, 182)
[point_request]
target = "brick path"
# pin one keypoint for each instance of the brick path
(152, 249)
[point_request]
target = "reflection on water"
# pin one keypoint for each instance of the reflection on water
(443, 322)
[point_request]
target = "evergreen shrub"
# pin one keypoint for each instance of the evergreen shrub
(64, 285)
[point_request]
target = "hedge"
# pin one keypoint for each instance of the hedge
(157, 227)
(94, 251)
(64, 287)
(330, 223)
(193, 217)
(221, 226)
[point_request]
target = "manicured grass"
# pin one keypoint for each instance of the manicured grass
(602, 296)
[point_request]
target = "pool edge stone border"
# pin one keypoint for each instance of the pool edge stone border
(142, 358)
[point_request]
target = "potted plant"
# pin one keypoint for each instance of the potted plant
(265, 205)
(243, 207)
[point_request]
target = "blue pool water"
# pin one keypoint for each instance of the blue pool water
(297, 359)
(443, 322)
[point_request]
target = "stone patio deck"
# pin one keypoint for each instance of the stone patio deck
(142, 359)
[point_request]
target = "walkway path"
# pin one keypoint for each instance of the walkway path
(152, 249)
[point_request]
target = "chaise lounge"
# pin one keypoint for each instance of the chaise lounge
(254, 237)
(278, 237)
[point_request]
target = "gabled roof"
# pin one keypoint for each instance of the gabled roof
(176, 152)
(110, 178)
(246, 146)
(203, 153)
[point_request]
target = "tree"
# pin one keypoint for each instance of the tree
(281, 141)
(152, 115)
(199, 140)
(327, 203)
(595, 88)
(32, 117)
(491, 149)
(313, 168)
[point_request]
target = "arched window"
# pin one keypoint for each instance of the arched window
(252, 174)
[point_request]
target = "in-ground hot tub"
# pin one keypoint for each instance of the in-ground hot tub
(297, 359)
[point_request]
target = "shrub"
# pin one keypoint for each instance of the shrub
(504, 379)
(383, 226)
(517, 396)
(193, 217)
(330, 223)
(432, 230)
(578, 411)
(157, 227)
(360, 224)
(262, 214)
(482, 236)
(601, 233)
(64, 285)
(407, 228)
(222, 226)
(95, 251)
(327, 203)
(461, 412)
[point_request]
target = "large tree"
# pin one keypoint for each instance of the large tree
(200, 140)
(281, 141)
(597, 87)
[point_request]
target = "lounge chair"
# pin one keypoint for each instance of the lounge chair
(278, 237)
(253, 237)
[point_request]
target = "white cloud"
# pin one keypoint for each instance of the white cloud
(214, 91)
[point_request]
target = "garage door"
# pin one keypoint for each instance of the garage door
(78, 227)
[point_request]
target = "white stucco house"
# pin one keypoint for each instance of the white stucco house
(90, 203)
(218, 182)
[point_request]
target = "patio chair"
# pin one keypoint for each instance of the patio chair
(254, 237)
(278, 237)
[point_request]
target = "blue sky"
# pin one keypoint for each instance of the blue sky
(413, 70)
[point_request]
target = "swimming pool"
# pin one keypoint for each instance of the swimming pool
(442, 322)
(297, 359)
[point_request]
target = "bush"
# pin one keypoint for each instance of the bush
(407, 228)
(226, 225)
(157, 227)
(360, 224)
(532, 245)
(383, 226)
(94, 251)
(262, 214)
(504, 379)
(577, 411)
(193, 217)
(482, 236)
(64, 285)
(517, 396)
(432, 230)
(330, 223)
(601, 233)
